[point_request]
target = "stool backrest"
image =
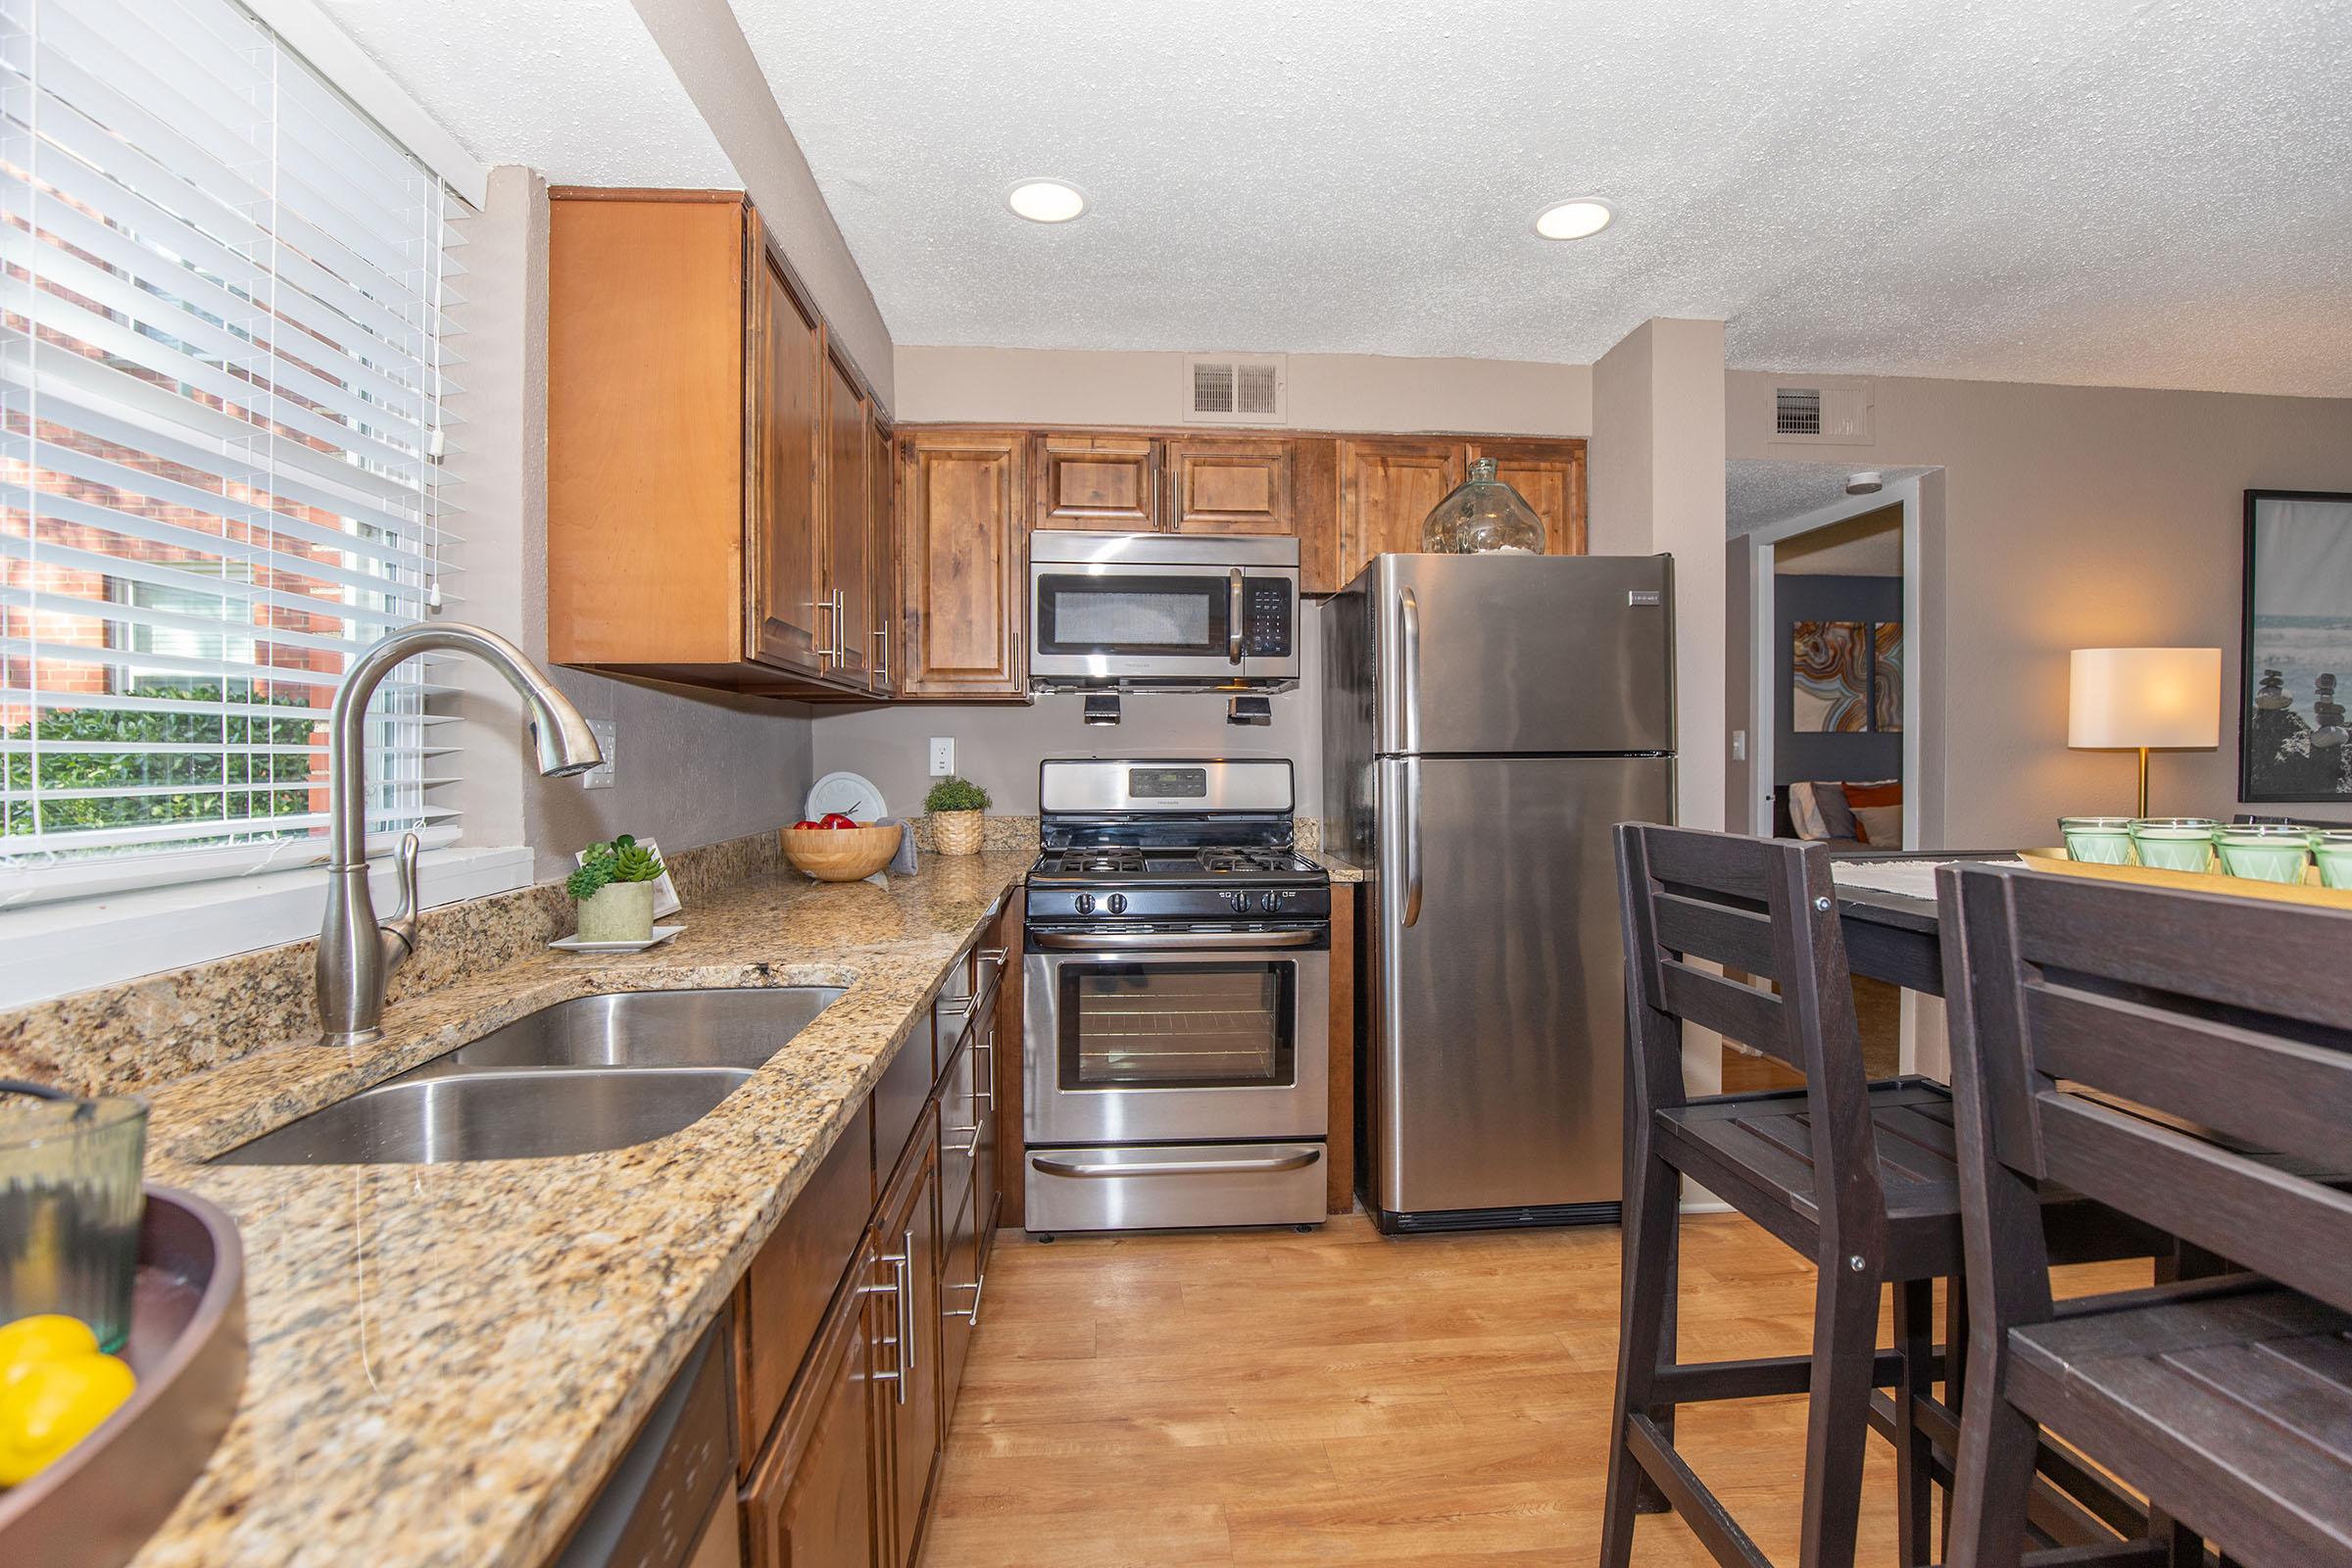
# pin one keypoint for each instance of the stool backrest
(1767, 909)
(2185, 1058)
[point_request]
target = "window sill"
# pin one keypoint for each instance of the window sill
(54, 948)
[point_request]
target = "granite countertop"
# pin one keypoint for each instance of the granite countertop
(447, 1359)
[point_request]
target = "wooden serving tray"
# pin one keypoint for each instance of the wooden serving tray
(2308, 892)
(96, 1506)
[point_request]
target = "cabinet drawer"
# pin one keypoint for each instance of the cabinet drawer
(788, 1284)
(961, 1290)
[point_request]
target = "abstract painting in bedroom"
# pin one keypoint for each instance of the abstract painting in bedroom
(1845, 676)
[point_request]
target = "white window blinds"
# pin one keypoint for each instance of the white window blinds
(221, 368)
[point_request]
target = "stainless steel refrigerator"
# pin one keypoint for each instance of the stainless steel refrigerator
(1485, 720)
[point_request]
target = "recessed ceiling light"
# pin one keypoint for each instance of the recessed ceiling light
(1046, 201)
(1581, 219)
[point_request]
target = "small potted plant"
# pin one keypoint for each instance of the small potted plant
(615, 890)
(954, 806)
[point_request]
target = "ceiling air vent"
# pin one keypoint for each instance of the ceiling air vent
(1822, 410)
(1231, 389)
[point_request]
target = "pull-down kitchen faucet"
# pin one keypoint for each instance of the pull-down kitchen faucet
(357, 952)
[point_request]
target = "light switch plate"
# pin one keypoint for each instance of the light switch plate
(608, 736)
(943, 755)
(1738, 745)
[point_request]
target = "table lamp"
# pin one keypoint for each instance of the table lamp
(2144, 697)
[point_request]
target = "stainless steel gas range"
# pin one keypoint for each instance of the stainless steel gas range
(1178, 982)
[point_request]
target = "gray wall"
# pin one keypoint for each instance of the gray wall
(2067, 517)
(1801, 596)
(998, 746)
(690, 768)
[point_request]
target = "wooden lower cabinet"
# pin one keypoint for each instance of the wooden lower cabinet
(844, 1470)
(811, 1498)
(906, 1251)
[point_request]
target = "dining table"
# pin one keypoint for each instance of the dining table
(1893, 936)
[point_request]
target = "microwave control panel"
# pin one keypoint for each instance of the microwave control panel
(1266, 617)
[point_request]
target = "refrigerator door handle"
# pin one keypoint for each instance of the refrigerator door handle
(1411, 806)
(1233, 615)
(1408, 673)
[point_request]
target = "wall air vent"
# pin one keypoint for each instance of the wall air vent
(1822, 410)
(1796, 410)
(1233, 389)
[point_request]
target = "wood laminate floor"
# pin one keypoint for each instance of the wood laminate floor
(1267, 1398)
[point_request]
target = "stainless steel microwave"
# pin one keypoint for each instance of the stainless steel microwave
(1128, 610)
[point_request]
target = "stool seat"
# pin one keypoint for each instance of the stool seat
(2247, 1390)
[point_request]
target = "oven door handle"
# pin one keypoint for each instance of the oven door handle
(1123, 940)
(1175, 1167)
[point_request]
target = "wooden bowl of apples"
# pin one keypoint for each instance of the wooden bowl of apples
(839, 849)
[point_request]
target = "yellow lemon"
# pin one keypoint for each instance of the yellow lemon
(44, 1337)
(51, 1405)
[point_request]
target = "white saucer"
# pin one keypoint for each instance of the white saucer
(661, 934)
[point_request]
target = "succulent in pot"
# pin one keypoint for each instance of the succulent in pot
(614, 888)
(954, 805)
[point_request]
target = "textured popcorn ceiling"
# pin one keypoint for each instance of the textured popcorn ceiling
(2145, 192)
(1758, 493)
(573, 88)
(2136, 192)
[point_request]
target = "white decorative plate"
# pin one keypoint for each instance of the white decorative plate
(661, 934)
(852, 795)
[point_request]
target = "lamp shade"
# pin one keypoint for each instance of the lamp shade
(2145, 697)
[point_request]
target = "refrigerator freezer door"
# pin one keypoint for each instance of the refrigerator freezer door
(1483, 654)
(1498, 1015)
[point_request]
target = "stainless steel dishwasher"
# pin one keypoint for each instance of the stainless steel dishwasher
(671, 1500)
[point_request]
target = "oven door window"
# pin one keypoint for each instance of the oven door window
(1207, 1025)
(1175, 615)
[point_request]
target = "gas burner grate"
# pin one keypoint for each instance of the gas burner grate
(1247, 858)
(1108, 858)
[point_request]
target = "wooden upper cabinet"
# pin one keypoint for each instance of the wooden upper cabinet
(1387, 488)
(1095, 481)
(788, 359)
(1229, 485)
(881, 526)
(1549, 475)
(959, 564)
(848, 620)
(707, 454)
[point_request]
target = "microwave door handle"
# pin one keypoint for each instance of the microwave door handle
(1233, 615)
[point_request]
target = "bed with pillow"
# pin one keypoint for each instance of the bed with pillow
(1843, 813)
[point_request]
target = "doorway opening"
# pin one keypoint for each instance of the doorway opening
(1833, 709)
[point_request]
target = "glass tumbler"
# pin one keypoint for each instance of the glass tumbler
(69, 1206)
(2097, 839)
(2332, 849)
(2174, 843)
(2264, 851)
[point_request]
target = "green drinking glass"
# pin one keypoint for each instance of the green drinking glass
(2174, 843)
(2097, 839)
(2332, 849)
(70, 1205)
(2265, 852)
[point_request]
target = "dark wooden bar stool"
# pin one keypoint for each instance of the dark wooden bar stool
(2185, 1058)
(1857, 1176)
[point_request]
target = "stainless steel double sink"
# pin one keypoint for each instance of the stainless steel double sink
(589, 1074)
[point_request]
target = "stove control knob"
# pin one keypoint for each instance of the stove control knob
(1116, 903)
(1269, 902)
(1241, 903)
(1085, 903)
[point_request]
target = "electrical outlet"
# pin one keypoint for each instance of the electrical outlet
(943, 755)
(607, 735)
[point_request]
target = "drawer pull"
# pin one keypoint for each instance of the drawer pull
(1175, 1167)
